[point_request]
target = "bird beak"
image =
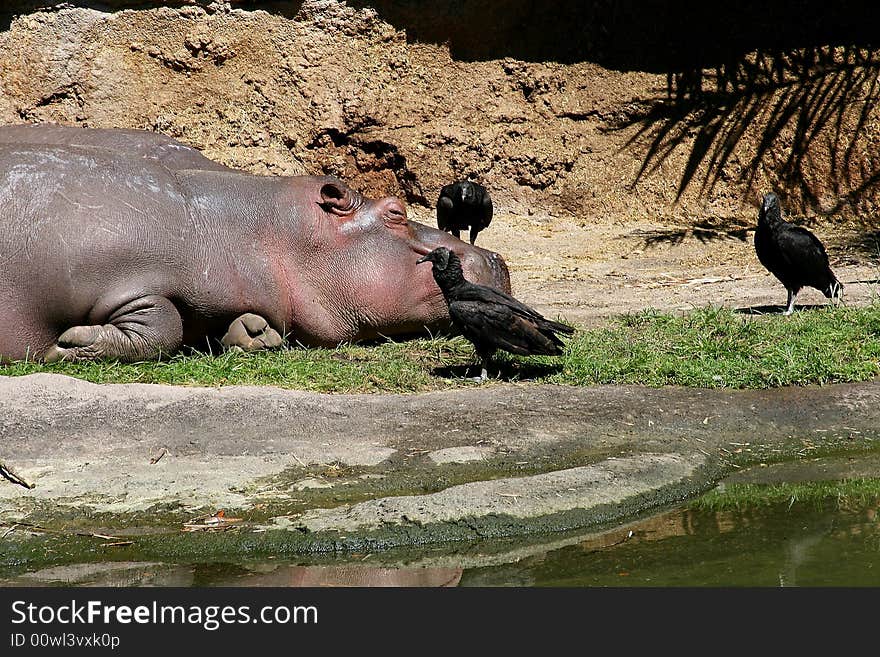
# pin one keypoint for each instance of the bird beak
(424, 258)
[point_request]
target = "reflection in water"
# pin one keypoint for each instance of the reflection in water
(271, 574)
(767, 547)
(284, 575)
(113, 573)
(797, 554)
(797, 545)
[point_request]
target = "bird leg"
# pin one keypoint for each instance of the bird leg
(484, 369)
(792, 295)
(473, 234)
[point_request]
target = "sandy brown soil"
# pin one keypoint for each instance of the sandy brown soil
(589, 273)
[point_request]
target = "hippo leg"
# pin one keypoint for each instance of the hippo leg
(251, 332)
(142, 329)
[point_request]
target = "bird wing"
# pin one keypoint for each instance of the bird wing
(484, 294)
(445, 210)
(801, 248)
(487, 210)
(795, 256)
(490, 295)
(493, 326)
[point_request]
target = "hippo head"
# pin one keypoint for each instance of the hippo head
(366, 252)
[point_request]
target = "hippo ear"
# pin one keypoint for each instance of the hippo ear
(338, 198)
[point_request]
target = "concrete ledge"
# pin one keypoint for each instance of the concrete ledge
(611, 481)
(331, 464)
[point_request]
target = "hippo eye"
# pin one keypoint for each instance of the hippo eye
(395, 216)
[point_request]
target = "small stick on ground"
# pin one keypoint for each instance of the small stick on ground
(11, 475)
(106, 537)
(63, 532)
(155, 459)
(628, 536)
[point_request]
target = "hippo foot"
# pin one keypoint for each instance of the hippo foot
(250, 332)
(142, 329)
(75, 344)
(82, 343)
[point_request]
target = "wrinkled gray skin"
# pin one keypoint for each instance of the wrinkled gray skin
(127, 244)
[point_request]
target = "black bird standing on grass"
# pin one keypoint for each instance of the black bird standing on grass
(793, 254)
(491, 319)
(462, 205)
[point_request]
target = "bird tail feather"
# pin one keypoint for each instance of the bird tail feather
(557, 327)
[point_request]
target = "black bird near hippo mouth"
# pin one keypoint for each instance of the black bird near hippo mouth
(793, 254)
(490, 318)
(128, 245)
(464, 205)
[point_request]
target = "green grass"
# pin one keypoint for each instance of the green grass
(707, 348)
(717, 348)
(737, 497)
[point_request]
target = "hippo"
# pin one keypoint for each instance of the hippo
(129, 245)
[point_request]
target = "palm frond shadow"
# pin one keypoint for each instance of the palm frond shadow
(864, 244)
(704, 231)
(793, 99)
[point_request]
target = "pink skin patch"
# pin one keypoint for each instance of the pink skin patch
(359, 277)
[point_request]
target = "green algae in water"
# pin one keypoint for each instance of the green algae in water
(800, 544)
(781, 545)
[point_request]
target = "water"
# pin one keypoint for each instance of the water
(797, 545)
(776, 547)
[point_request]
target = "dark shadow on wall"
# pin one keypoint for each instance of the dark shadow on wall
(641, 35)
(785, 73)
(657, 36)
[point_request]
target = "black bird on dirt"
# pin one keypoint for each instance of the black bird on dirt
(793, 254)
(462, 205)
(491, 319)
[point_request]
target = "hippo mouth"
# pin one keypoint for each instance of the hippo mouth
(498, 274)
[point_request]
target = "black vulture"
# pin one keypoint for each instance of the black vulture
(490, 318)
(793, 254)
(462, 205)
